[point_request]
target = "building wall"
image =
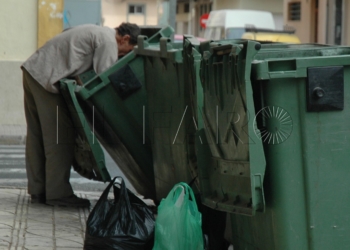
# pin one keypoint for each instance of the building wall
(226, 4)
(317, 25)
(302, 27)
(346, 20)
(322, 21)
(50, 19)
(114, 12)
(202, 7)
(184, 19)
(18, 25)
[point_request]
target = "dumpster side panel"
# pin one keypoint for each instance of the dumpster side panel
(109, 104)
(326, 161)
(170, 121)
(126, 123)
(306, 173)
(283, 225)
(232, 180)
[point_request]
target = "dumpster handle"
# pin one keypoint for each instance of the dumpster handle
(296, 68)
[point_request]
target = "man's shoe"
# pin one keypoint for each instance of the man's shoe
(71, 201)
(37, 198)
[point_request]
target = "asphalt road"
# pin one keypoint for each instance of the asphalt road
(13, 172)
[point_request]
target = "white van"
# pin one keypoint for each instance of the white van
(231, 24)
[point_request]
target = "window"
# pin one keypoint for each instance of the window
(136, 9)
(203, 9)
(214, 33)
(234, 33)
(187, 7)
(294, 11)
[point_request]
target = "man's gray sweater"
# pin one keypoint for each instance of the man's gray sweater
(71, 53)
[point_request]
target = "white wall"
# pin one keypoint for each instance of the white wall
(18, 39)
(18, 25)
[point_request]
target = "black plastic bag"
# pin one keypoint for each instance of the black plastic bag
(125, 223)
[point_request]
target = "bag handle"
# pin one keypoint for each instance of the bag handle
(186, 193)
(107, 189)
(123, 201)
(123, 194)
(122, 187)
(181, 197)
(104, 197)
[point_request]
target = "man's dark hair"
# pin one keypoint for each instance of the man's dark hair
(130, 29)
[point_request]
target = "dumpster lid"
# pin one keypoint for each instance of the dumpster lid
(231, 161)
(89, 160)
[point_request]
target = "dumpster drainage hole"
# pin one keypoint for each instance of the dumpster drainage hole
(273, 125)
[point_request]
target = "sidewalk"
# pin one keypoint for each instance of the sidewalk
(12, 134)
(29, 226)
(40, 227)
(37, 226)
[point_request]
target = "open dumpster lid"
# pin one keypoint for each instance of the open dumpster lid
(231, 159)
(89, 160)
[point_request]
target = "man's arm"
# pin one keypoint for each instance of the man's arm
(105, 56)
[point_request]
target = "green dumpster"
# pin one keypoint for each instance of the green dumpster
(306, 173)
(295, 96)
(111, 108)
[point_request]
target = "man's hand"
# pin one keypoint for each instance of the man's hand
(79, 82)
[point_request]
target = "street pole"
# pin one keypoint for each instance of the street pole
(172, 13)
(167, 13)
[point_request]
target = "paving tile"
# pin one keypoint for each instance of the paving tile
(73, 242)
(4, 245)
(34, 225)
(5, 240)
(69, 248)
(69, 234)
(40, 241)
(36, 248)
(37, 226)
(40, 232)
(5, 232)
(6, 220)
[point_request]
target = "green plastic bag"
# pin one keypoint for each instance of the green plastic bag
(179, 223)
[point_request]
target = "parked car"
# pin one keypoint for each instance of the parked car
(230, 24)
(263, 35)
(178, 38)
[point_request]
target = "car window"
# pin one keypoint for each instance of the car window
(214, 33)
(234, 33)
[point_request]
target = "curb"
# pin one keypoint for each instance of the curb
(13, 139)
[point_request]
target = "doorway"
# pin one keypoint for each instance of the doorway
(314, 21)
